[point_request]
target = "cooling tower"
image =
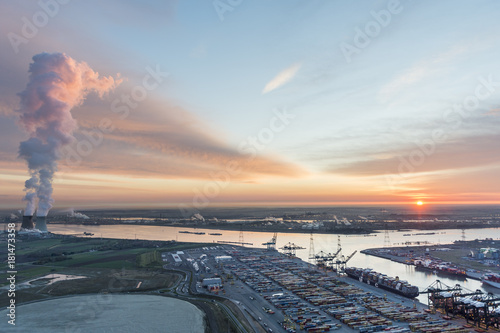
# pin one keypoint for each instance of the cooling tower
(41, 224)
(27, 222)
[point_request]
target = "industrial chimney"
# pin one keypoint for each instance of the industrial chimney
(41, 224)
(27, 222)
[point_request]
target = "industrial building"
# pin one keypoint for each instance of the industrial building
(177, 259)
(212, 284)
(222, 258)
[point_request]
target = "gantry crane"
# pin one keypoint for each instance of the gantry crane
(271, 245)
(342, 261)
(290, 249)
(324, 259)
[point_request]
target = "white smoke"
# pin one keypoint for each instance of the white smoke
(72, 213)
(57, 83)
(197, 217)
(79, 216)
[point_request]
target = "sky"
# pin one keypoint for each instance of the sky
(263, 102)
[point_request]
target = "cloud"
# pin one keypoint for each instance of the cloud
(464, 153)
(168, 141)
(378, 149)
(420, 71)
(282, 78)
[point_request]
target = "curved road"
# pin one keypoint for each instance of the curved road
(186, 290)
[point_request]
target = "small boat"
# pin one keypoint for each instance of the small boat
(215, 234)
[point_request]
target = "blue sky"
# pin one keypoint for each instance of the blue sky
(355, 119)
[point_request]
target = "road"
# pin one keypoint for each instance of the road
(242, 293)
(186, 289)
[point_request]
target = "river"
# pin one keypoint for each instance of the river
(322, 242)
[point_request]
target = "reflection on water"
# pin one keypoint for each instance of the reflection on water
(322, 242)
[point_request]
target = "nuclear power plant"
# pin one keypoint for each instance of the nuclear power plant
(57, 83)
(40, 223)
(27, 222)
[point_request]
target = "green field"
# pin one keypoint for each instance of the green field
(38, 257)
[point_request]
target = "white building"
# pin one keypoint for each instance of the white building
(222, 258)
(177, 259)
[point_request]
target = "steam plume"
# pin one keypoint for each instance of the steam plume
(57, 83)
(77, 215)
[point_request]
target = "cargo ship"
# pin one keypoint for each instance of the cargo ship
(440, 267)
(215, 234)
(383, 281)
(491, 279)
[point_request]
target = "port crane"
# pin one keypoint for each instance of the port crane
(475, 306)
(290, 249)
(271, 245)
(438, 287)
(323, 259)
(342, 261)
(478, 308)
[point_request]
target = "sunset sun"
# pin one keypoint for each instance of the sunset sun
(419, 203)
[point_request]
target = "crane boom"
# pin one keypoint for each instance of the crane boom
(352, 255)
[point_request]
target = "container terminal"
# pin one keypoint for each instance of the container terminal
(281, 293)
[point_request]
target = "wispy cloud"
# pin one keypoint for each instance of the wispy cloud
(282, 78)
(420, 71)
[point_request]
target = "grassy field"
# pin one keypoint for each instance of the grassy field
(97, 259)
(152, 258)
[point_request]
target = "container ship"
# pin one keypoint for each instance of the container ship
(440, 267)
(383, 281)
(491, 279)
